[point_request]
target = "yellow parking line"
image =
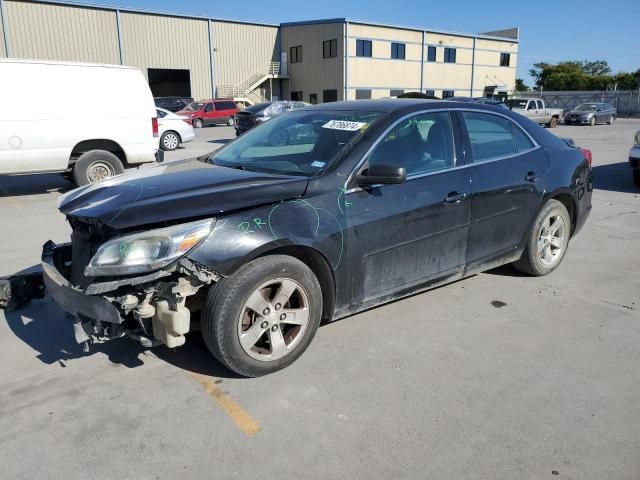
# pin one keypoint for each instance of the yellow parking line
(240, 417)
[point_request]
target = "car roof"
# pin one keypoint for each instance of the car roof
(398, 105)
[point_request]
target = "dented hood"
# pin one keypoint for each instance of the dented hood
(176, 191)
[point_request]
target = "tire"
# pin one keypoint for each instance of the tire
(592, 122)
(611, 120)
(545, 250)
(553, 123)
(197, 123)
(95, 166)
(636, 177)
(169, 141)
(231, 122)
(226, 315)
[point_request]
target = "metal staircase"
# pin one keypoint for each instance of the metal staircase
(248, 89)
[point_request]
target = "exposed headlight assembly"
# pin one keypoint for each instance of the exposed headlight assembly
(147, 251)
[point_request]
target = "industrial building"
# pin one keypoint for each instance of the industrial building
(316, 61)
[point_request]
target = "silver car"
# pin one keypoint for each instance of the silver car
(591, 114)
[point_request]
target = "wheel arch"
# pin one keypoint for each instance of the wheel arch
(565, 197)
(85, 146)
(318, 264)
(169, 130)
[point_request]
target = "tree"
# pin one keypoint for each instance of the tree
(582, 75)
(520, 85)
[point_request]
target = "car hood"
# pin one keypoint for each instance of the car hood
(176, 191)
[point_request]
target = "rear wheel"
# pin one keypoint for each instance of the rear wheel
(197, 123)
(264, 316)
(169, 141)
(553, 123)
(636, 177)
(95, 166)
(611, 120)
(548, 240)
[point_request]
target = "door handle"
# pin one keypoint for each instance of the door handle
(455, 197)
(532, 176)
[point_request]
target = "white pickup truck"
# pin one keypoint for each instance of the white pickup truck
(535, 109)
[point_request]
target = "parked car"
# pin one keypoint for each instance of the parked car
(591, 114)
(385, 198)
(536, 110)
(261, 112)
(45, 125)
(483, 100)
(210, 112)
(173, 104)
(174, 129)
(423, 96)
(634, 159)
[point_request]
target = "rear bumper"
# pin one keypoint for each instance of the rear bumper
(583, 195)
(72, 300)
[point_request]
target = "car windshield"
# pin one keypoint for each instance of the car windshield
(517, 103)
(194, 106)
(587, 107)
(300, 143)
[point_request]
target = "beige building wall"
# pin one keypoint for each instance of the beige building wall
(242, 50)
(154, 41)
(3, 53)
(315, 73)
(56, 32)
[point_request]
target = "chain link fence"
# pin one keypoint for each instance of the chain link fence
(627, 102)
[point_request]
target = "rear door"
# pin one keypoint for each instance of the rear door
(225, 110)
(508, 172)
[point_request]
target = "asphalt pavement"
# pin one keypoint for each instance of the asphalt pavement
(499, 376)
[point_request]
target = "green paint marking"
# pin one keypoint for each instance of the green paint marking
(245, 227)
(259, 223)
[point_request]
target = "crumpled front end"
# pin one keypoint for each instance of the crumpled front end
(153, 308)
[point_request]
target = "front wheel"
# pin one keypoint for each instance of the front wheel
(230, 122)
(548, 240)
(611, 120)
(264, 316)
(592, 122)
(197, 123)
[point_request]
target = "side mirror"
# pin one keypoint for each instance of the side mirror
(381, 174)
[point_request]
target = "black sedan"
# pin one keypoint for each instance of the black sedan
(591, 114)
(261, 112)
(364, 202)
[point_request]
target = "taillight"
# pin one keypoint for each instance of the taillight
(187, 120)
(154, 126)
(587, 155)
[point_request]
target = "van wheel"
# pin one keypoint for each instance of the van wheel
(548, 240)
(197, 123)
(231, 122)
(264, 316)
(96, 165)
(169, 141)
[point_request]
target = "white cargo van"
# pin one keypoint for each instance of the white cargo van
(90, 121)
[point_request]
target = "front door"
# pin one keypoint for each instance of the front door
(209, 114)
(399, 236)
(507, 181)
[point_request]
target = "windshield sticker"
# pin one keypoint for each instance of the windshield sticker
(344, 125)
(317, 164)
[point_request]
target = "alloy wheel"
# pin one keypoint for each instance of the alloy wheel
(273, 319)
(170, 141)
(551, 240)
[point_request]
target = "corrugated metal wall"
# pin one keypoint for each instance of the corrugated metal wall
(55, 32)
(315, 73)
(242, 50)
(154, 41)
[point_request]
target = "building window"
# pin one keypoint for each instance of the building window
(431, 54)
(363, 48)
(447, 93)
(313, 98)
(363, 94)
(296, 54)
(330, 48)
(398, 51)
(297, 96)
(449, 55)
(329, 96)
(431, 93)
(505, 59)
(396, 93)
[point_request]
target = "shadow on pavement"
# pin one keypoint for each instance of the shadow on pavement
(616, 177)
(507, 270)
(11, 186)
(220, 141)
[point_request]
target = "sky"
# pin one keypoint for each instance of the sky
(550, 31)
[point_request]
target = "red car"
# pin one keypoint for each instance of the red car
(210, 112)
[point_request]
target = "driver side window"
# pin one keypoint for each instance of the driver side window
(420, 144)
(208, 107)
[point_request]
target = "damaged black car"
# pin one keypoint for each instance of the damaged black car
(311, 217)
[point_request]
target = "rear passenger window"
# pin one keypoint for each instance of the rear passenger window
(490, 135)
(420, 144)
(225, 106)
(522, 141)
